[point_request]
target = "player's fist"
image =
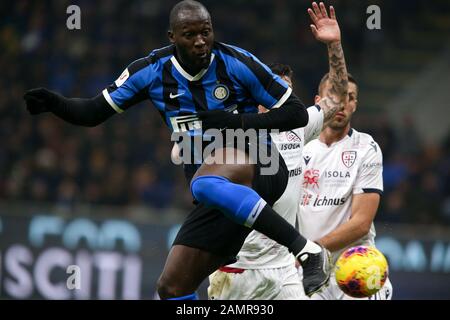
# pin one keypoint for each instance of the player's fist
(39, 100)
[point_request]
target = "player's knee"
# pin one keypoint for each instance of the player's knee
(167, 290)
(206, 188)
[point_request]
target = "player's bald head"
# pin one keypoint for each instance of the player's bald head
(188, 10)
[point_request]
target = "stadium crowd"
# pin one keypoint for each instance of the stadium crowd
(127, 160)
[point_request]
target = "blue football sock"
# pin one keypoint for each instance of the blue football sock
(245, 207)
(193, 296)
(239, 203)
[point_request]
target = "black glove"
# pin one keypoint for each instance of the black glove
(81, 112)
(40, 100)
(219, 119)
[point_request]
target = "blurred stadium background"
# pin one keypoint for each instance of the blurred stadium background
(108, 198)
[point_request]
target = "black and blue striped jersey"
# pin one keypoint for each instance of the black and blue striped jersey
(234, 79)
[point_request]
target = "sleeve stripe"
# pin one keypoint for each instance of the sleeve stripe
(111, 102)
(283, 98)
(373, 190)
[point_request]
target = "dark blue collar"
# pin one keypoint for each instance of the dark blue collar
(350, 132)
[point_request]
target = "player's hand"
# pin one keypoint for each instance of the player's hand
(324, 28)
(39, 100)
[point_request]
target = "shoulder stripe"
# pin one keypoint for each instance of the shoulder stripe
(161, 53)
(315, 106)
(132, 69)
(138, 65)
(264, 77)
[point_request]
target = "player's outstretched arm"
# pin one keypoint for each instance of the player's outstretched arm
(326, 29)
(82, 112)
(292, 115)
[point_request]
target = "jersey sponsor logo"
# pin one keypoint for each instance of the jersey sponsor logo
(305, 199)
(324, 201)
(290, 146)
(295, 172)
(185, 123)
(221, 92)
(174, 96)
(387, 294)
(321, 201)
(307, 158)
(123, 77)
(291, 136)
(311, 178)
(372, 165)
(348, 158)
(337, 174)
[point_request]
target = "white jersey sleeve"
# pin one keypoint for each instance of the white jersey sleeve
(315, 123)
(370, 175)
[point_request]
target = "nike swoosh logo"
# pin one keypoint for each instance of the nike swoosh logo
(174, 96)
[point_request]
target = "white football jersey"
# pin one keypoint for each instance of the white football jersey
(258, 251)
(331, 175)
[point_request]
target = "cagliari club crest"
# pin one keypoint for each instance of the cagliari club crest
(348, 158)
(292, 137)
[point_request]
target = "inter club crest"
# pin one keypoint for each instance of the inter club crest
(221, 92)
(348, 158)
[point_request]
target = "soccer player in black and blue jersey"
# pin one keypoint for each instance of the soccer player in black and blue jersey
(197, 76)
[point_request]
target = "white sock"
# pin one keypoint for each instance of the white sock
(310, 247)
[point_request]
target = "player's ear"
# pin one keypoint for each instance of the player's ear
(356, 105)
(317, 99)
(171, 36)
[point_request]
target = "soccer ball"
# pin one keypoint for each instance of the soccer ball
(361, 271)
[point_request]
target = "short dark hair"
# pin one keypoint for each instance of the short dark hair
(185, 5)
(281, 69)
(327, 76)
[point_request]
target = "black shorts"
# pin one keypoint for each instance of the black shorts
(210, 230)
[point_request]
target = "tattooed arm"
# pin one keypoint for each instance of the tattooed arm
(326, 29)
(336, 96)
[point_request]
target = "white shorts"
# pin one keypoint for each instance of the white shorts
(257, 284)
(332, 292)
